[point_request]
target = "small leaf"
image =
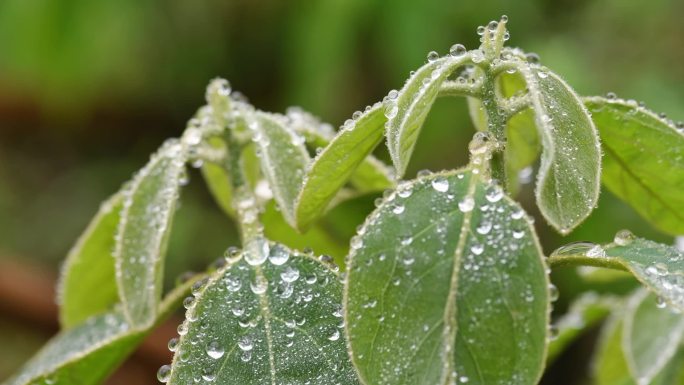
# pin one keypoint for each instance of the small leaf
(659, 267)
(148, 208)
(333, 167)
(87, 353)
(283, 159)
(272, 316)
(445, 279)
(88, 284)
(218, 182)
(568, 181)
(586, 311)
(651, 336)
(644, 160)
(408, 110)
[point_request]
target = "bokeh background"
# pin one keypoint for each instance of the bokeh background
(89, 88)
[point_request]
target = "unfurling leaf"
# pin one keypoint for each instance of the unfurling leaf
(271, 316)
(568, 181)
(446, 283)
(149, 203)
(644, 160)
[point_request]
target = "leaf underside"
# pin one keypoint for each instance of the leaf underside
(436, 295)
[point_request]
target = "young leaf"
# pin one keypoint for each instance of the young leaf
(283, 159)
(407, 110)
(651, 336)
(659, 267)
(446, 283)
(270, 317)
(568, 181)
(88, 284)
(87, 353)
(335, 165)
(148, 208)
(644, 160)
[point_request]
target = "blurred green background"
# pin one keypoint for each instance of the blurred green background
(89, 88)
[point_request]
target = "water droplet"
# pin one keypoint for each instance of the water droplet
(164, 373)
(457, 50)
(440, 184)
(623, 238)
(466, 204)
(214, 350)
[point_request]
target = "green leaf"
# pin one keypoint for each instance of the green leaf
(657, 266)
(586, 311)
(644, 160)
(333, 167)
(88, 284)
(148, 208)
(568, 181)
(87, 353)
(651, 336)
(269, 317)
(446, 283)
(408, 110)
(218, 181)
(283, 159)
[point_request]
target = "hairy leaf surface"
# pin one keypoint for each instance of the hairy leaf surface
(407, 111)
(148, 208)
(269, 317)
(333, 167)
(446, 283)
(88, 283)
(568, 181)
(644, 160)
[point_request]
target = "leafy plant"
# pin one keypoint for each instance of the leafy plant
(445, 282)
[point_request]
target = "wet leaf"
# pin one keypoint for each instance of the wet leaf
(283, 157)
(148, 208)
(446, 283)
(407, 111)
(88, 352)
(338, 162)
(270, 317)
(644, 160)
(659, 267)
(568, 181)
(88, 283)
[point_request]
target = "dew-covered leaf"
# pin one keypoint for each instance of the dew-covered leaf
(651, 335)
(407, 110)
(283, 157)
(149, 203)
(568, 181)
(585, 312)
(88, 352)
(644, 160)
(659, 267)
(88, 283)
(218, 181)
(271, 316)
(446, 283)
(333, 167)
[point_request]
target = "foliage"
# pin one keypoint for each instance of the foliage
(445, 282)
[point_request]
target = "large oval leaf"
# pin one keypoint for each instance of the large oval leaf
(644, 160)
(446, 283)
(88, 284)
(283, 159)
(148, 208)
(568, 181)
(407, 111)
(333, 167)
(271, 317)
(88, 352)
(659, 267)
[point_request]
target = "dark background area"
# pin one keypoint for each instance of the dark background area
(89, 88)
